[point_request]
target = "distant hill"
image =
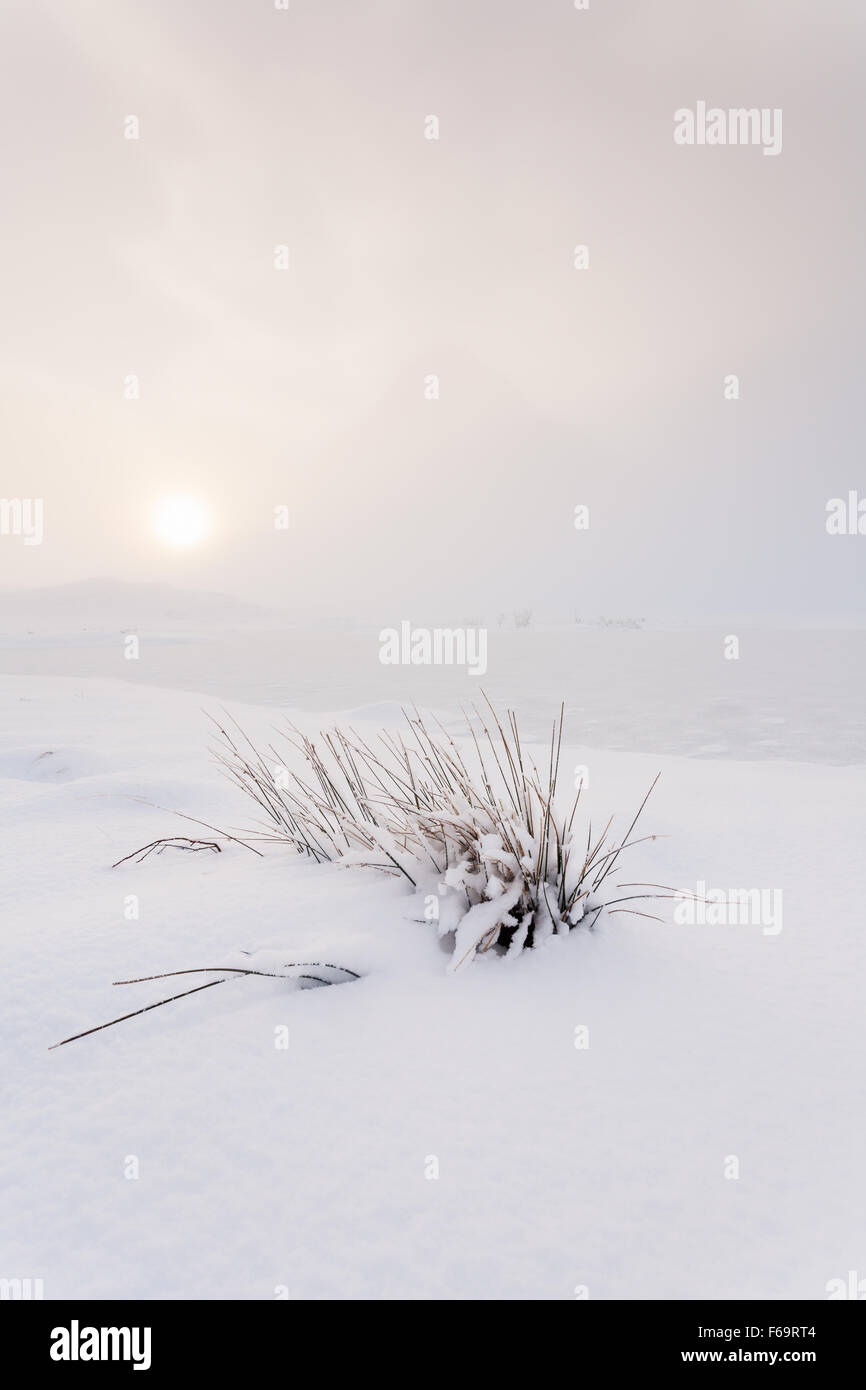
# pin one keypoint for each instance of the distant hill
(105, 605)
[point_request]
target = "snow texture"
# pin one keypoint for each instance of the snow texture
(560, 1165)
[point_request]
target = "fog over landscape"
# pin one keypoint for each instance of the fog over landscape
(432, 610)
(153, 258)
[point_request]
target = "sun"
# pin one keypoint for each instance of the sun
(181, 521)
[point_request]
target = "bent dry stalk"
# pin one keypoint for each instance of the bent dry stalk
(225, 970)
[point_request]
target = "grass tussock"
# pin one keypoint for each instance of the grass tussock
(490, 856)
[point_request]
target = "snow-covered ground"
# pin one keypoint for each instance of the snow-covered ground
(308, 1168)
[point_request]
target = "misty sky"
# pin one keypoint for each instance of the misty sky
(453, 257)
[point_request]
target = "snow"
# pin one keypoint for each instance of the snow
(262, 1166)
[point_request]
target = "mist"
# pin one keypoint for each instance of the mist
(431, 387)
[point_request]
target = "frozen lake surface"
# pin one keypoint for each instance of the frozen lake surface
(792, 695)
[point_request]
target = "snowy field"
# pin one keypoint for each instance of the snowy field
(307, 1168)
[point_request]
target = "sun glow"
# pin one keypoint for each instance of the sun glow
(181, 521)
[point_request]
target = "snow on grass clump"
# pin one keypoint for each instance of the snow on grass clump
(492, 860)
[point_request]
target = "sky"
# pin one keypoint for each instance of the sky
(409, 257)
